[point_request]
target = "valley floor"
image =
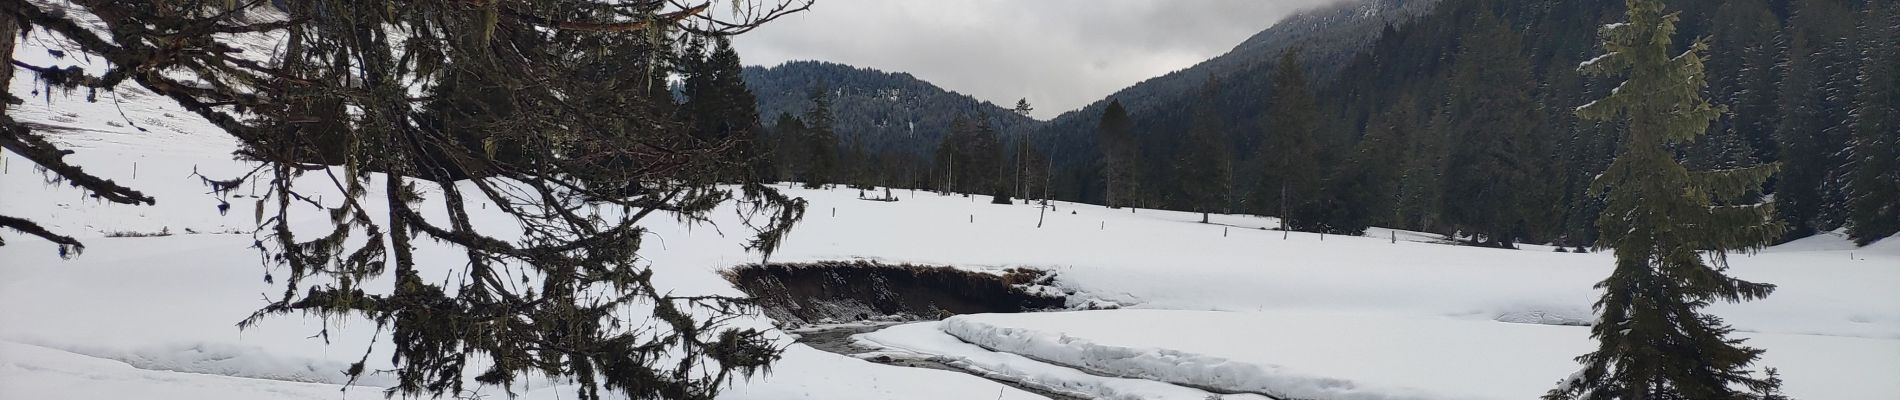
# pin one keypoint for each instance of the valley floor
(1225, 308)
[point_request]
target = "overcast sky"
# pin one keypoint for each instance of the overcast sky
(1061, 54)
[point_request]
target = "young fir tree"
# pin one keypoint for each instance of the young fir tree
(1874, 212)
(1654, 342)
(1291, 149)
(1204, 167)
(1491, 145)
(1116, 137)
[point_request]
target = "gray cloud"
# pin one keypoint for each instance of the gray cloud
(1061, 54)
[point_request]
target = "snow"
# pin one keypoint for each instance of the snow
(1836, 240)
(927, 339)
(1223, 305)
(33, 372)
(155, 317)
(1354, 356)
(1594, 61)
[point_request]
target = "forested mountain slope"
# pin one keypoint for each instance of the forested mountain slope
(1330, 36)
(1477, 96)
(886, 111)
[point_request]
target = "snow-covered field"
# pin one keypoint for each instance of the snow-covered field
(1223, 307)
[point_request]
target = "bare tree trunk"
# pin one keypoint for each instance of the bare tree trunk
(1049, 177)
(1041, 215)
(1283, 216)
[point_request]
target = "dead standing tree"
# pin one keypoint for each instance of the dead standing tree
(553, 113)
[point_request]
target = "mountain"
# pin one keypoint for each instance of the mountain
(883, 111)
(1327, 37)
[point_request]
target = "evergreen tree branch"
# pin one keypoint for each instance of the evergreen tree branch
(28, 227)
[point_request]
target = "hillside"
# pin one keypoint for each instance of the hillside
(885, 111)
(1328, 37)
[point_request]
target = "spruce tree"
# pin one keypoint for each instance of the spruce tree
(790, 147)
(1204, 167)
(1743, 81)
(821, 144)
(970, 159)
(1420, 193)
(1654, 342)
(1291, 148)
(1365, 191)
(1115, 134)
(719, 104)
(1491, 173)
(1875, 154)
(1816, 93)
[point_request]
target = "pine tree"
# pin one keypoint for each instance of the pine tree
(1654, 343)
(1291, 148)
(1875, 153)
(1490, 174)
(1116, 137)
(1204, 167)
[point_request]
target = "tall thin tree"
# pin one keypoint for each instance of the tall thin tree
(1874, 187)
(1115, 133)
(1291, 148)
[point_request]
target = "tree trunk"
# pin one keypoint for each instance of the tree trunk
(1283, 216)
(9, 32)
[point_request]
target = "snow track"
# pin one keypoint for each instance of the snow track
(928, 340)
(1301, 354)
